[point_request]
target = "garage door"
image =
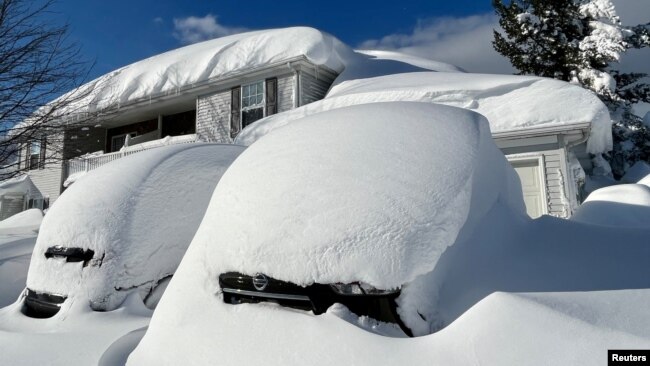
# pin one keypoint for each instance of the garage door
(529, 174)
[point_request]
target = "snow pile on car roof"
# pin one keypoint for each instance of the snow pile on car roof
(138, 214)
(171, 72)
(509, 102)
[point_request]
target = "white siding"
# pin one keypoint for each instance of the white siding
(554, 171)
(48, 179)
(555, 178)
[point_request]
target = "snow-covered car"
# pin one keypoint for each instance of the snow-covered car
(347, 205)
(123, 227)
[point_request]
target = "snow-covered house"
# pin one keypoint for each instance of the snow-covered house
(206, 91)
(210, 91)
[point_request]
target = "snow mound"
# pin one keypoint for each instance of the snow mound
(366, 64)
(509, 102)
(27, 219)
(128, 213)
(375, 192)
(623, 205)
(326, 200)
(636, 173)
(645, 181)
(171, 72)
(405, 58)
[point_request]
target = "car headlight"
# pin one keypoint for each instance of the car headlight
(359, 289)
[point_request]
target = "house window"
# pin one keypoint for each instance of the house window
(34, 155)
(252, 103)
(117, 142)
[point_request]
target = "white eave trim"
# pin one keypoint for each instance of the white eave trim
(580, 127)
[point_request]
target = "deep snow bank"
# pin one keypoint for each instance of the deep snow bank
(138, 214)
(623, 205)
(508, 102)
(575, 302)
(26, 220)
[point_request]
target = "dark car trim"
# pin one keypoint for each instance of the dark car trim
(41, 305)
(70, 254)
(266, 294)
(239, 288)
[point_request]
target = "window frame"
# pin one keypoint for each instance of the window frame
(261, 105)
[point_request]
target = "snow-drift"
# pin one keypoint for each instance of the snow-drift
(372, 193)
(137, 214)
(623, 205)
(509, 102)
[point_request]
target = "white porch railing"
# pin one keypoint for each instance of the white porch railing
(89, 162)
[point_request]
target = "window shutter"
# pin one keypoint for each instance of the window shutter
(271, 96)
(28, 150)
(235, 110)
(42, 157)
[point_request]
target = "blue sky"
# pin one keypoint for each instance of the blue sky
(115, 33)
(118, 32)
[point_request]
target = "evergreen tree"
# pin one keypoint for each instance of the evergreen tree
(578, 41)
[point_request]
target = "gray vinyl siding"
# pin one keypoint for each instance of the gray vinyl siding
(213, 110)
(285, 92)
(314, 85)
(213, 117)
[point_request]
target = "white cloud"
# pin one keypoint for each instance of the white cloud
(465, 42)
(158, 20)
(196, 29)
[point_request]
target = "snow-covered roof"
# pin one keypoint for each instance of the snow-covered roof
(18, 185)
(509, 102)
(192, 65)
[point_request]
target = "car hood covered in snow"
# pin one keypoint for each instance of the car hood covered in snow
(138, 215)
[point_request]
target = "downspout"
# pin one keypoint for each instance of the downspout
(574, 189)
(296, 85)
